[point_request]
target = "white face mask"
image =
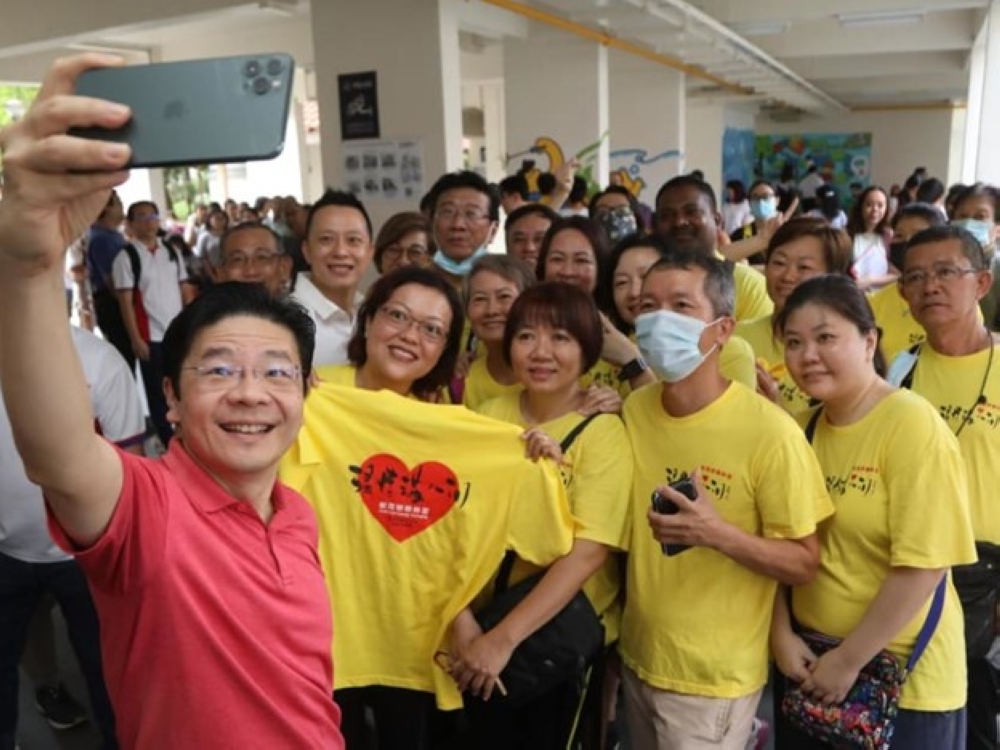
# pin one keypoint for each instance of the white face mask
(669, 343)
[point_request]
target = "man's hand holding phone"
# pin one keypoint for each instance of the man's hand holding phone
(683, 515)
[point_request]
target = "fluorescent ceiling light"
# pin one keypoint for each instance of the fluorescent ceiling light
(762, 28)
(858, 20)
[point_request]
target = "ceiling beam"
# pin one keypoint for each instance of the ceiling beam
(759, 11)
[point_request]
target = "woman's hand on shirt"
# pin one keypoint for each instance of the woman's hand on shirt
(538, 444)
(600, 400)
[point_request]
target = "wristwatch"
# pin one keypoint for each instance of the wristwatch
(632, 369)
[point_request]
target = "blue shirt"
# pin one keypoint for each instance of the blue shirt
(103, 246)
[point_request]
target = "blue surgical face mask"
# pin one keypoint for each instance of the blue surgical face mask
(669, 343)
(978, 228)
(619, 223)
(763, 208)
(459, 268)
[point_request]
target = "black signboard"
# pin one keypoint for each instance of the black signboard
(358, 105)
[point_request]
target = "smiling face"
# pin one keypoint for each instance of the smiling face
(828, 357)
(338, 249)
(406, 337)
(546, 360)
(873, 209)
(571, 260)
(627, 281)
(238, 431)
(685, 215)
(790, 264)
(412, 249)
(936, 301)
(524, 238)
(490, 298)
(252, 256)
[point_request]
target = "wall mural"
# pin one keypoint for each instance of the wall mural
(842, 158)
(738, 152)
(635, 168)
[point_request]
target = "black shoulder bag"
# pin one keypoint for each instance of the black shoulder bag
(559, 650)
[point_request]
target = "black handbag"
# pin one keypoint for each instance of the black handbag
(977, 585)
(560, 650)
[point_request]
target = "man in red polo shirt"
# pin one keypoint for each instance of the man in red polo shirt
(215, 621)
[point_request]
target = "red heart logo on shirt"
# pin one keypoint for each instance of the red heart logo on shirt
(406, 501)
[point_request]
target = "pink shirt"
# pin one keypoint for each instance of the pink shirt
(216, 629)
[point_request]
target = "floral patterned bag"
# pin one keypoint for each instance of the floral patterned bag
(865, 718)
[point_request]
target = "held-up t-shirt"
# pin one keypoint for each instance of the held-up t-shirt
(898, 484)
(771, 353)
(416, 504)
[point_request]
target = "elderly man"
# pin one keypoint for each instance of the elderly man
(253, 253)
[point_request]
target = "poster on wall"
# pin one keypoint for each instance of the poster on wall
(358, 105)
(843, 159)
(738, 151)
(384, 170)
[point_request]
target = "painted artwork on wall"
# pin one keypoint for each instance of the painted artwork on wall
(738, 156)
(635, 168)
(842, 158)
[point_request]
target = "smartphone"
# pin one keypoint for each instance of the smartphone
(668, 507)
(197, 111)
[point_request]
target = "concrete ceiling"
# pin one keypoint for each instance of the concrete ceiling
(858, 53)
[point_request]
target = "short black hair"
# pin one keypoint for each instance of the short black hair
(466, 179)
(930, 190)
(719, 286)
(971, 248)
(531, 209)
(130, 215)
(247, 225)
(343, 199)
(516, 183)
(922, 211)
(579, 190)
(546, 183)
(684, 181)
(233, 299)
(380, 293)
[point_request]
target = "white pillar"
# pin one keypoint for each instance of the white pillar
(556, 101)
(647, 123)
(984, 103)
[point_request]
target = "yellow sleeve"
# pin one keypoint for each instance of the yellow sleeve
(599, 491)
(751, 293)
(791, 491)
(541, 527)
(929, 521)
(737, 363)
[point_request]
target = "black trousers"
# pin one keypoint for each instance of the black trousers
(112, 325)
(983, 706)
(403, 719)
(21, 587)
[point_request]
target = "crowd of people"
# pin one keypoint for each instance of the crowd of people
(712, 428)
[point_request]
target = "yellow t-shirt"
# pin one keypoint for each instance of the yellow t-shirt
(751, 293)
(412, 524)
(337, 375)
(605, 374)
(736, 362)
(771, 353)
(898, 484)
(952, 385)
(597, 473)
(480, 386)
(698, 622)
(900, 330)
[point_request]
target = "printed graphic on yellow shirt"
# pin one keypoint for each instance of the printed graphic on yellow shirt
(404, 501)
(985, 414)
(717, 481)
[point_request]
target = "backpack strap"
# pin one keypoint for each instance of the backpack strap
(811, 426)
(507, 565)
(907, 381)
(133, 259)
(929, 626)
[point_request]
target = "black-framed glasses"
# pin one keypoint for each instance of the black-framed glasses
(945, 274)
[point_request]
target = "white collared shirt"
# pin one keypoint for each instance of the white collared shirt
(334, 325)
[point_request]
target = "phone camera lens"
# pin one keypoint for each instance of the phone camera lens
(274, 66)
(251, 69)
(261, 85)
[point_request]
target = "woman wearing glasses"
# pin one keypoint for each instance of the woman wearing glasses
(894, 472)
(407, 337)
(404, 240)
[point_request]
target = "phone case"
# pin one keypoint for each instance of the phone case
(199, 111)
(668, 507)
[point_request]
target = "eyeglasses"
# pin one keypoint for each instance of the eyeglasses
(242, 261)
(414, 253)
(275, 377)
(147, 217)
(945, 274)
(433, 333)
(468, 215)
